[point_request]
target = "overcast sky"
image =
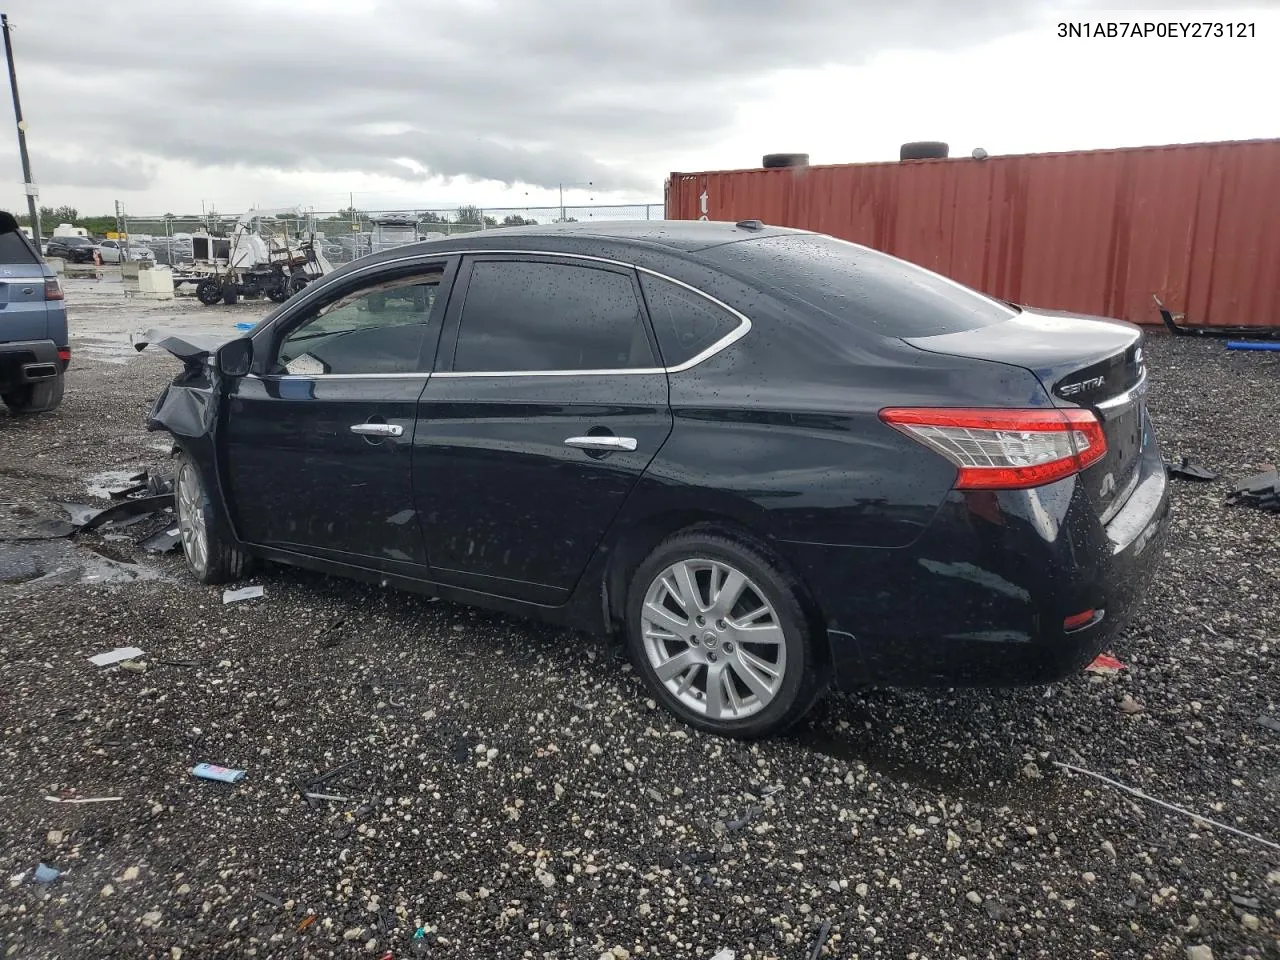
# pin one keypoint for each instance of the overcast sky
(417, 103)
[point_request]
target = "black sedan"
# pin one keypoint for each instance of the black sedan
(71, 249)
(771, 459)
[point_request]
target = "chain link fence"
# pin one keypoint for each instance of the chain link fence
(344, 235)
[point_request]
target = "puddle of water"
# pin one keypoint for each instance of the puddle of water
(27, 568)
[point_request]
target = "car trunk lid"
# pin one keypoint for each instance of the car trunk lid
(1088, 362)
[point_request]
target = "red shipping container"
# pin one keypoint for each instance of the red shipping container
(1095, 232)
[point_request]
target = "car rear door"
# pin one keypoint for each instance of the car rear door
(547, 404)
(317, 444)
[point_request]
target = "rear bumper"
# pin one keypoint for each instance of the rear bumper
(28, 361)
(980, 599)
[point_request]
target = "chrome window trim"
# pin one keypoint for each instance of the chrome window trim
(730, 338)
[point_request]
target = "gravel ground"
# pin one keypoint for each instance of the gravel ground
(513, 793)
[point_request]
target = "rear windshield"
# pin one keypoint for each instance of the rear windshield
(851, 283)
(15, 249)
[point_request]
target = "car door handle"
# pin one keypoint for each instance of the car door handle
(378, 429)
(605, 443)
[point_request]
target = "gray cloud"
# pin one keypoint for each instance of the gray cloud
(511, 90)
(59, 171)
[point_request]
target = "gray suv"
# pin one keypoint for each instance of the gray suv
(34, 345)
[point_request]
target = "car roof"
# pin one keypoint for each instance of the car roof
(684, 236)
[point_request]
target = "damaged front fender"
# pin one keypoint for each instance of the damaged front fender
(188, 409)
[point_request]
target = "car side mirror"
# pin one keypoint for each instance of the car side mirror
(235, 357)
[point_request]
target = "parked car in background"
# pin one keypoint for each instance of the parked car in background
(172, 250)
(34, 344)
(71, 249)
(771, 459)
(112, 251)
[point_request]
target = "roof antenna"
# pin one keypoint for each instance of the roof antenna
(750, 224)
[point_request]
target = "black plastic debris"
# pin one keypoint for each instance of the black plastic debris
(162, 541)
(41, 530)
(268, 898)
(1261, 491)
(312, 785)
(1189, 471)
(753, 811)
(1246, 903)
(1199, 330)
(134, 484)
(80, 513)
(1271, 723)
(820, 941)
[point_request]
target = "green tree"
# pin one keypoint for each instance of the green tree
(471, 214)
(430, 217)
(515, 220)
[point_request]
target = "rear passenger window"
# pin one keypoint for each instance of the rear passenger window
(521, 316)
(686, 323)
(14, 250)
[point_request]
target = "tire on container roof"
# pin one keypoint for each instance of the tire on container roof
(773, 160)
(924, 150)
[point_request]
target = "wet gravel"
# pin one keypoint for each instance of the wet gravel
(509, 790)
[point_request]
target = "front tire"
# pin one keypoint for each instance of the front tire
(209, 291)
(720, 636)
(211, 556)
(39, 397)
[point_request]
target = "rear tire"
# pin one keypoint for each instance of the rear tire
(751, 667)
(38, 397)
(212, 556)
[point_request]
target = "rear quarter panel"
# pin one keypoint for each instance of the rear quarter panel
(782, 428)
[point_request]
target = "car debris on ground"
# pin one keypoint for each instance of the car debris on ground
(1261, 490)
(1105, 665)
(1186, 470)
(244, 593)
(115, 656)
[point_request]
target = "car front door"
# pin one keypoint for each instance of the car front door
(547, 405)
(318, 439)
(110, 251)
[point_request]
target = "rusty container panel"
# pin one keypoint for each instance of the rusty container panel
(1094, 232)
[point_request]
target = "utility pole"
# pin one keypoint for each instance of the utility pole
(589, 183)
(22, 136)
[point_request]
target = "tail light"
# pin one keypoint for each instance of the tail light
(52, 289)
(1005, 449)
(64, 354)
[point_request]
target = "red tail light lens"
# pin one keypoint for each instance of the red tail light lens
(1005, 449)
(64, 354)
(52, 289)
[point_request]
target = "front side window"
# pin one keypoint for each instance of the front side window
(522, 316)
(375, 329)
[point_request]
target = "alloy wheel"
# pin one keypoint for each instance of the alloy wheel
(191, 518)
(714, 639)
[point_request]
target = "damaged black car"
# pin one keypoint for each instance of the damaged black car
(772, 460)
